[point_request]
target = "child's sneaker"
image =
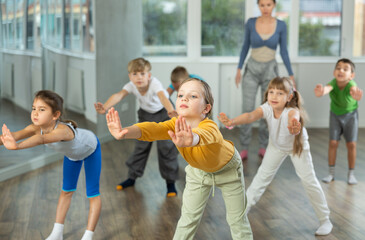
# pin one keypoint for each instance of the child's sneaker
(351, 179)
(244, 154)
(262, 152)
(325, 228)
(127, 183)
(328, 179)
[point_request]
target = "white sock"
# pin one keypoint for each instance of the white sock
(88, 235)
(351, 177)
(57, 232)
(325, 228)
(331, 175)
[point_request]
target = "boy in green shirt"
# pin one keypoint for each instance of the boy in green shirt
(344, 118)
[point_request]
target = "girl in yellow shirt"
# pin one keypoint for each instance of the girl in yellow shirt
(213, 161)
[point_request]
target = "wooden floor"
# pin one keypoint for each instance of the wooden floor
(28, 202)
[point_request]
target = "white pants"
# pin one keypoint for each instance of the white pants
(199, 185)
(304, 169)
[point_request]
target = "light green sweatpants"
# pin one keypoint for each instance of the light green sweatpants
(199, 185)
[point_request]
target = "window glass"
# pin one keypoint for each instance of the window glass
(87, 26)
(222, 27)
(58, 23)
(320, 27)
(51, 31)
(75, 27)
(10, 23)
(19, 20)
(164, 27)
(33, 25)
(31, 5)
(3, 23)
(67, 25)
(282, 12)
(359, 29)
(43, 22)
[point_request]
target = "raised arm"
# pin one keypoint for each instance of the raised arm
(321, 90)
(170, 91)
(167, 104)
(116, 129)
(183, 135)
(113, 100)
(244, 118)
(28, 131)
(294, 125)
(62, 133)
(356, 93)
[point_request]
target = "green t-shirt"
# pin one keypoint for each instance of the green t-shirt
(341, 100)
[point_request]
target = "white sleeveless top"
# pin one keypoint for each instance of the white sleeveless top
(79, 148)
(279, 134)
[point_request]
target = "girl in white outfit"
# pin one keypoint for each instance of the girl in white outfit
(284, 114)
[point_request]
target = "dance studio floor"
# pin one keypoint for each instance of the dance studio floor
(28, 202)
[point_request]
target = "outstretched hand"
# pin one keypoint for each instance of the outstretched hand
(114, 124)
(99, 107)
(223, 118)
(8, 139)
(319, 90)
(183, 135)
(173, 114)
(356, 93)
(294, 127)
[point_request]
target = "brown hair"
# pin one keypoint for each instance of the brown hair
(139, 65)
(55, 101)
(178, 74)
(285, 84)
(258, 1)
(208, 96)
(348, 61)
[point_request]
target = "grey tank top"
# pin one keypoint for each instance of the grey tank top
(79, 148)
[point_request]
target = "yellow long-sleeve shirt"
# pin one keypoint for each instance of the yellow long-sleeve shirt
(210, 154)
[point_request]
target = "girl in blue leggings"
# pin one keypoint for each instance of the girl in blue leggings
(78, 145)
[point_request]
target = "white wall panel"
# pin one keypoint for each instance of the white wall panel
(75, 90)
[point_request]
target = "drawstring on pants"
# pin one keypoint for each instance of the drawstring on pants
(213, 179)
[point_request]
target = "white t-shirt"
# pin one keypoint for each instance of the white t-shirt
(149, 101)
(279, 133)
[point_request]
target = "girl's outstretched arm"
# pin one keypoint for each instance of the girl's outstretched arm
(244, 118)
(27, 132)
(62, 133)
(294, 125)
(183, 136)
(115, 127)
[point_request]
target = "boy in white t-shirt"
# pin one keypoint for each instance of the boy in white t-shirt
(154, 107)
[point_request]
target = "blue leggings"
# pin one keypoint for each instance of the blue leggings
(71, 172)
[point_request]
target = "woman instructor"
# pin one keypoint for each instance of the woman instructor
(262, 34)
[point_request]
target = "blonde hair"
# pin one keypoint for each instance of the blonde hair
(179, 74)
(208, 96)
(139, 65)
(285, 84)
